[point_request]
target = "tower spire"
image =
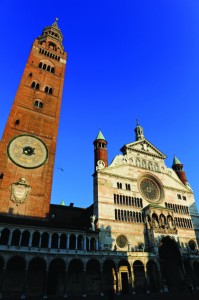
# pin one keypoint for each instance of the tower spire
(100, 151)
(178, 168)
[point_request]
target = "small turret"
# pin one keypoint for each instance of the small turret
(100, 152)
(139, 132)
(178, 168)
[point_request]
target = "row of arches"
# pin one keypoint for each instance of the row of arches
(52, 33)
(142, 163)
(162, 221)
(181, 209)
(37, 276)
(58, 278)
(38, 239)
(128, 216)
(49, 54)
(183, 223)
(127, 200)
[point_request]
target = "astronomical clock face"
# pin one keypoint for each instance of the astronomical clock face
(27, 151)
(149, 189)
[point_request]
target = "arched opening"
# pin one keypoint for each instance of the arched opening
(54, 241)
(75, 277)
(25, 238)
(63, 241)
(92, 244)
(72, 242)
(124, 277)
(109, 277)
(152, 276)
(93, 277)
(35, 239)
(139, 276)
(80, 242)
(155, 219)
(44, 240)
(56, 276)
(170, 263)
(13, 283)
(15, 237)
(4, 236)
(36, 277)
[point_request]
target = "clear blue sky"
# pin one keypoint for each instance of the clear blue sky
(127, 59)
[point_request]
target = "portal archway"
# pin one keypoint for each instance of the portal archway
(171, 263)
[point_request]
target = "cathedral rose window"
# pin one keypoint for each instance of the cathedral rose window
(150, 189)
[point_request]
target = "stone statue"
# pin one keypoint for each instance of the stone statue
(93, 218)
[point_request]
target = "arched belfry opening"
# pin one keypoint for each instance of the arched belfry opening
(171, 263)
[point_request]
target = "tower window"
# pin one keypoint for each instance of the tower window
(38, 104)
(48, 90)
(35, 85)
(128, 187)
(17, 122)
(119, 185)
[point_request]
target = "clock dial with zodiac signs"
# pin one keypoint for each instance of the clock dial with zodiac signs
(27, 151)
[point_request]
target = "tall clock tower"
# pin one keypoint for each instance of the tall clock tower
(28, 145)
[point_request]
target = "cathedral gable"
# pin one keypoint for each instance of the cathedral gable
(143, 146)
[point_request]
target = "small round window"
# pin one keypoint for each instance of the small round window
(121, 241)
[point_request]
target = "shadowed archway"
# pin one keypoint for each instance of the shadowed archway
(56, 276)
(36, 277)
(13, 284)
(171, 263)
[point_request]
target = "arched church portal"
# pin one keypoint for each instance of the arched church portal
(171, 263)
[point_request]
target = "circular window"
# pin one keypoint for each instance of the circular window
(150, 189)
(121, 241)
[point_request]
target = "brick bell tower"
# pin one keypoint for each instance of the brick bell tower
(100, 152)
(28, 145)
